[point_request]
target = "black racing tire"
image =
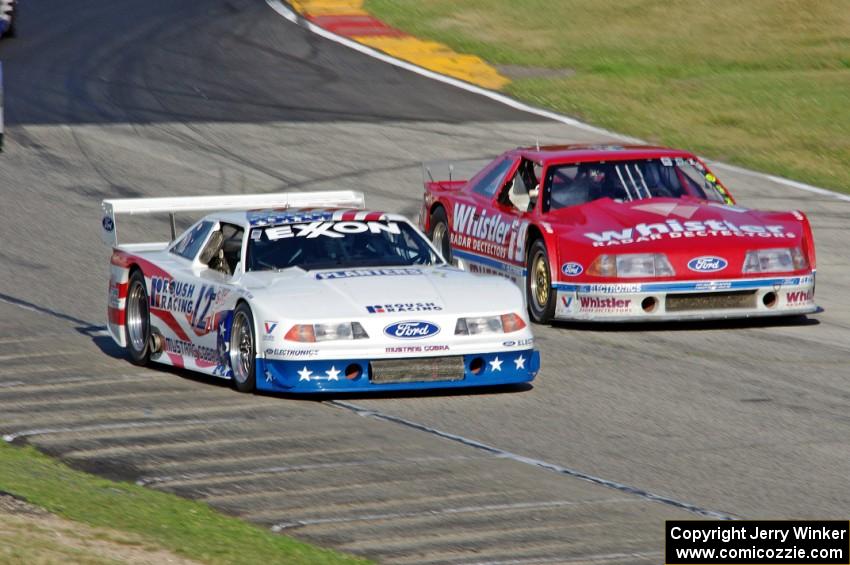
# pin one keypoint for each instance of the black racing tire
(137, 321)
(540, 295)
(243, 349)
(440, 235)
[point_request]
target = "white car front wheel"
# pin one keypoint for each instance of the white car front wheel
(242, 350)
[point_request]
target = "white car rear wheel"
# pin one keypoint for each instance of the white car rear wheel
(137, 323)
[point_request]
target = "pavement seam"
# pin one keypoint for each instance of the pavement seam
(566, 471)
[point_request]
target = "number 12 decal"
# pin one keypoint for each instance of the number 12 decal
(200, 315)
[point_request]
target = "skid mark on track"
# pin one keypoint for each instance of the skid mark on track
(516, 506)
(190, 477)
(174, 414)
(256, 459)
(178, 446)
(33, 371)
(10, 384)
(93, 400)
(646, 495)
(9, 438)
(28, 338)
(44, 354)
(76, 382)
(307, 496)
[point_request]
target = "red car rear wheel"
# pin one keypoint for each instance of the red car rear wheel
(439, 235)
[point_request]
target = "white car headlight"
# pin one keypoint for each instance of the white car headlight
(631, 266)
(778, 260)
(326, 332)
(506, 323)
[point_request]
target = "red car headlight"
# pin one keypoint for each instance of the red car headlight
(631, 266)
(777, 260)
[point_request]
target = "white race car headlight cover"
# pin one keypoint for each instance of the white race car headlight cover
(632, 266)
(478, 325)
(776, 260)
(326, 332)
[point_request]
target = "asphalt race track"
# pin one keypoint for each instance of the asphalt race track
(624, 427)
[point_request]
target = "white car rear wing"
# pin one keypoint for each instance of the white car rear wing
(174, 205)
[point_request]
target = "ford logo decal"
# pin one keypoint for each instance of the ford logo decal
(707, 264)
(414, 329)
(572, 269)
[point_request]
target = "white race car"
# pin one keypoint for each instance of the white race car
(7, 18)
(308, 292)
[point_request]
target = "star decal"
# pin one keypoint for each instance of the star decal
(520, 362)
(333, 373)
(304, 374)
(496, 364)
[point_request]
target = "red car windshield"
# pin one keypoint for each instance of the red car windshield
(665, 177)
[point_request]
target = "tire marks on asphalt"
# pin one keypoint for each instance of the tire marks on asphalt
(193, 477)
(365, 485)
(13, 437)
(442, 511)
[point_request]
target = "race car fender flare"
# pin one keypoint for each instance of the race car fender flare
(120, 266)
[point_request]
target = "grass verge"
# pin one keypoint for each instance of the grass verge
(760, 83)
(185, 528)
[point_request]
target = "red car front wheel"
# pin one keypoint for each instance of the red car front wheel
(538, 284)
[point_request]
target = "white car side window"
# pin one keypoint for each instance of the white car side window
(190, 243)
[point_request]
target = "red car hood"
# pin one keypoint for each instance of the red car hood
(683, 229)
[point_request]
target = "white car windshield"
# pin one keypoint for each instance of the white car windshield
(573, 184)
(329, 244)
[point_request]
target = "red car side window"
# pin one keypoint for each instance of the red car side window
(492, 181)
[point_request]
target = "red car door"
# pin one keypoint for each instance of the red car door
(486, 229)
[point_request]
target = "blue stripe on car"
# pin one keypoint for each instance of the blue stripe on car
(284, 375)
(490, 262)
(679, 286)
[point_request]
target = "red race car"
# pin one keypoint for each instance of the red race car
(621, 233)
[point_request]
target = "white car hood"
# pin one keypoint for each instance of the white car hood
(391, 292)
